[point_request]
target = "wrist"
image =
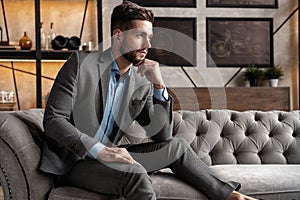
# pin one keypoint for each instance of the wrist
(158, 86)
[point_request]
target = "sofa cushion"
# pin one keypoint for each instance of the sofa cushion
(168, 187)
(33, 119)
(270, 182)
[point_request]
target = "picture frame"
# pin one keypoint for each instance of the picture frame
(174, 41)
(239, 42)
(243, 3)
(166, 3)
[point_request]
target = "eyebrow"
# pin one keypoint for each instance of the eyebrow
(144, 33)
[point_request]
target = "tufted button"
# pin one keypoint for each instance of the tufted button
(256, 117)
(259, 154)
(208, 117)
(222, 134)
(271, 134)
(247, 133)
(235, 154)
(280, 117)
(232, 117)
(294, 134)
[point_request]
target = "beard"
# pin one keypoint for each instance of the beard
(131, 57)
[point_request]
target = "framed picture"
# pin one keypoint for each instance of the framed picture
(238, 42)
(243, 3)
(166, 3)
(174, 41)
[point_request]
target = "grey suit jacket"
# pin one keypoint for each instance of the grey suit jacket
(76, 105)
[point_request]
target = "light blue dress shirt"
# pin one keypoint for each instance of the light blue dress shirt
(113, 103)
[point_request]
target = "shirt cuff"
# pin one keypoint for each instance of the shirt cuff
(161, 94)
(95, 150)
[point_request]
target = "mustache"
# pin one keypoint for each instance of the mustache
(142, 50)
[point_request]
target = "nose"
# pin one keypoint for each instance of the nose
(147, 43)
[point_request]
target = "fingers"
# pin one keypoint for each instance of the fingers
(150, 69)
(108, 154)
(236, 195)
(147, 65)
(121, 154)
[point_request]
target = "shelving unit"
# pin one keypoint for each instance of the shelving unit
(38, 55)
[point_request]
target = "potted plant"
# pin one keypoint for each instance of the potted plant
(273, 74)
(253, 75)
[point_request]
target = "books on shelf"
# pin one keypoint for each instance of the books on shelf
(11, 45)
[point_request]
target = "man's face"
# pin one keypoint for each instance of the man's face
(136, 41)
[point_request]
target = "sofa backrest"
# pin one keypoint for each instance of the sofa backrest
(223, 136)
(250, 137)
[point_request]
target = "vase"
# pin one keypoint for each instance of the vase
(25, 42)
(273, 82)
(253, 82)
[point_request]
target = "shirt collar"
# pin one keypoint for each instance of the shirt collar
(115, 68)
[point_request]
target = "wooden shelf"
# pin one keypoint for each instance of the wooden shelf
(56, 55)
(17, 54)
(234, 98)
(30, 54)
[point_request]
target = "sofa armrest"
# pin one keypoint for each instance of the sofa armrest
(19, 159)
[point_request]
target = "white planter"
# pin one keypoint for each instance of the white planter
(273, 82)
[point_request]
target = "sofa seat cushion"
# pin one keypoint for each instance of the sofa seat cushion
(166, 186)
(169, 187)
(271, 182)
(268, 182)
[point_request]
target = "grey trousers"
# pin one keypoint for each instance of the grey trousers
(132, 181)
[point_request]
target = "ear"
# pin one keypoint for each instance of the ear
(116, 34)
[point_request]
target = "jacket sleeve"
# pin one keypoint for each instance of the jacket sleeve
(157, 118)
(58, 124)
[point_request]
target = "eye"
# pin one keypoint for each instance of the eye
(139, 35)
(150, 38)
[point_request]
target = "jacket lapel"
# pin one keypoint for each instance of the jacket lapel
(104, 66)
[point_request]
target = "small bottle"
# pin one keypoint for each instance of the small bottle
(51, 35)
(43, 38)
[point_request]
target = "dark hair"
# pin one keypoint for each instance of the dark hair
(124, 13)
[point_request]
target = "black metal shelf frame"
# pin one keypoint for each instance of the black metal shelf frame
(39, 55)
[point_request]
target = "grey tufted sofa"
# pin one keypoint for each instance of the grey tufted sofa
(261, 150)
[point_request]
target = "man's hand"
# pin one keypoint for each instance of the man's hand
(238, 196)
(114, 154)
(150, 69)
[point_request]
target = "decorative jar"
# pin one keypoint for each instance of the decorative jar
(25, 42)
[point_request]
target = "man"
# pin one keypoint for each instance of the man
(97, 98)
